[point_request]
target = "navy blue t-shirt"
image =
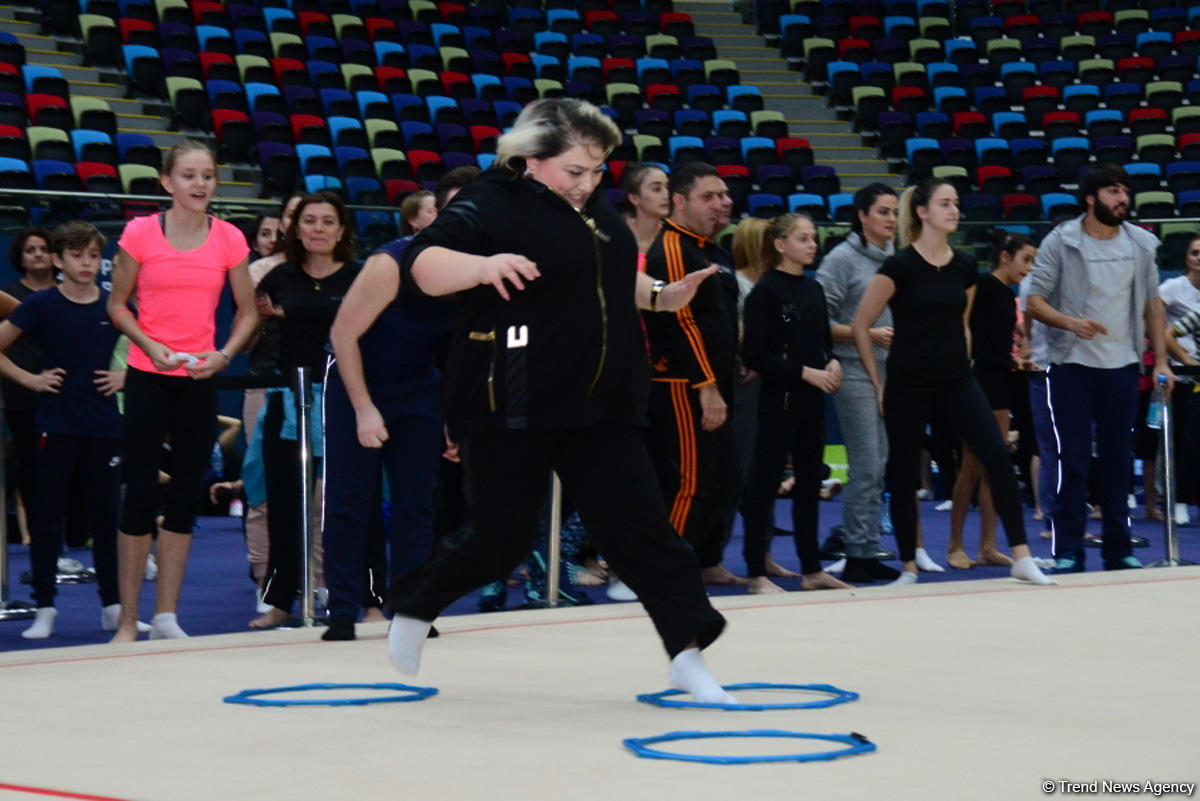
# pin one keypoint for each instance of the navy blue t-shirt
(398, 350)
(79, 338)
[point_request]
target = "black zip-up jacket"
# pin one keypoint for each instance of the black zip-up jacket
(697, 342)
(565, 352)
(787, 329)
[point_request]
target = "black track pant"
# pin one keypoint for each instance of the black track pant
(962, 404)
(281, 464)
(794, 423)
(608, 475)
(700, 471)
(98, 462)
(24, 435)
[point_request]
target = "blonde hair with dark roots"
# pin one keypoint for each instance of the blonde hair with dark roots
(549, 127)
(779, 228)
(182, 149)
(748, 240)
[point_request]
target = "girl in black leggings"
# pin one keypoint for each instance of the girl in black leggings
(993, 319)
(788, 343)
(929, 287)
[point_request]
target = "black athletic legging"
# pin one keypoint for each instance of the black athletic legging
(962, 404)
(792, 422)
(165, 408)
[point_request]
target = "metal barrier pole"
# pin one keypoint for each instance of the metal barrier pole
(554, 543)
(9, 610)
(1167, 438)
(304, 400)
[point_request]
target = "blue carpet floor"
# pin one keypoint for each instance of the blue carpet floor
(218, 596)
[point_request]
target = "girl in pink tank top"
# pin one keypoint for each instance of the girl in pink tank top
(173, 266)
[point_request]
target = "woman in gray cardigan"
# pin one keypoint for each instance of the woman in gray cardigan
(844, 275)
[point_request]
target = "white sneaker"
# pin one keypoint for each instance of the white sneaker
(151, 573)
(1131, 501)
(944, 506)
(1181, 514)
(924, 495)
(619, 591)
(837, 567)
(68, 565)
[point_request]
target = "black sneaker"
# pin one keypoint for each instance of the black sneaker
(340, 628)
(864, 571)
(835, 545)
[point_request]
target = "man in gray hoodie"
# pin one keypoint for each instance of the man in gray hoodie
(1095, 284)
(844, 275)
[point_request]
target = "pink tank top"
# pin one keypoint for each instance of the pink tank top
(177, 291)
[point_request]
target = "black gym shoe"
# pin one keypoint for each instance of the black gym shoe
(340, 628)
(864, 571)
(834, 546)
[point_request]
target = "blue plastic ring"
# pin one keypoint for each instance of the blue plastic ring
(251, 698)
(839, 696)
(856, 742)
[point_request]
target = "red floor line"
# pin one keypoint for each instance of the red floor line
(502, 626)
(20, 788)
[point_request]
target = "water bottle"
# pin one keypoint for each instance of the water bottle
(885, 516)
(1158, 404)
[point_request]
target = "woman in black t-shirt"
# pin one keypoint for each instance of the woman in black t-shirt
(304, 293)
(993, 320)
(929, 287)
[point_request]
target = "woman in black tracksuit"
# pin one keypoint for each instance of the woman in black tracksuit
(547, 371)
(788, 343)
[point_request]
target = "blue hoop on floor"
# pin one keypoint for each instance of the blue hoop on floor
(840, 696)
(858, 744)
(251, 698)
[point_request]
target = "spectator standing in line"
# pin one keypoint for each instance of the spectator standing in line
(788, 344)
(175, 264)
(844, 276)
(692, 372)
(929, 286)
(1095, 284)
(29, 256)
(77, 416)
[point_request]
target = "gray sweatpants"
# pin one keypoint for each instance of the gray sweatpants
(866, 454)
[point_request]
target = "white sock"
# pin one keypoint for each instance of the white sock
(164, 626)
(905, 578)
(43, 624)
(837, 567)
(406, 638)
(110, 619)
(924, 562)
(619, 591)
(688, 673)
(1025, 569)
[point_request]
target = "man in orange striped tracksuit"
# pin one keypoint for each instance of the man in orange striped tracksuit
(692, 365)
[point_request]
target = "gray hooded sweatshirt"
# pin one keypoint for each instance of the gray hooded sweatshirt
(844, 275)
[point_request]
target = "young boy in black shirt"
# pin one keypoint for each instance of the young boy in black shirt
(78, 424)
